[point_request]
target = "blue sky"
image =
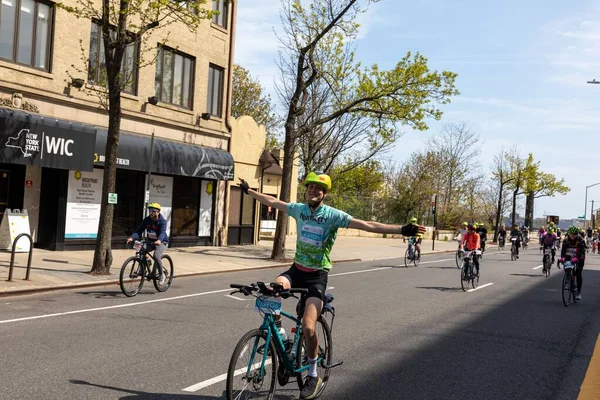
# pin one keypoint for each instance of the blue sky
(522, 71)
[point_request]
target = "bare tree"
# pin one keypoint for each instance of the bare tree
(317, 53)
(502, 176)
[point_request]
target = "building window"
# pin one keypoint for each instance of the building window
(174, 78)
(214, 103)
(222, 7)
(26, 32)
(97, 63)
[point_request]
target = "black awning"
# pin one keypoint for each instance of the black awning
(31, 139)
(169, 158)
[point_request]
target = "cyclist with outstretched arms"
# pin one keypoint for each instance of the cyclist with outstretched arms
(573, 249)
(317, 226)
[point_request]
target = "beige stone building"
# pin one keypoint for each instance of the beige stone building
(176, 125)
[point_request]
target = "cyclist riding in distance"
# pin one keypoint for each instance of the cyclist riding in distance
(482, 231)
(472, 242)
(525, 232)
(573, 249)
(502, 235)
(461, 233)
(549, 241)
(156, 229)
(418, 237)
(317, 226)
(515, 232)
(558, 235)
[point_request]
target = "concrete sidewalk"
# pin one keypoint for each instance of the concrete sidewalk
(51, 270)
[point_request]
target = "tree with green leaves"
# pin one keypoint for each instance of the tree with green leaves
(318, 53)
(249, 98)
(122, 23)
(355, 191)
(540, 184)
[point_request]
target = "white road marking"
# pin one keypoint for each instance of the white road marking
(360, 272)
(480, 287)
(235, 298)
(331, 287)
(111, 307)
(538, 267)
(220, 378)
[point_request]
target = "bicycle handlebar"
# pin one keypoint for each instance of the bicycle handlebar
(274, 289)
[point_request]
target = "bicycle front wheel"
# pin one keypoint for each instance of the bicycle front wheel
(244, 377)
(566, 288)
(325, 355)
(458, 258)
(464, 276)
(168, 270)
(131, 278)
(407, 257)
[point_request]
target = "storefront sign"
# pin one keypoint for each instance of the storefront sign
(13, 224)
(83, 204)
(34, 140)
(161, 192)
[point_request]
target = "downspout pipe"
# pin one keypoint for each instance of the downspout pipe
(232, 20)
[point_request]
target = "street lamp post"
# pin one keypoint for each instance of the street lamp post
(586, 201)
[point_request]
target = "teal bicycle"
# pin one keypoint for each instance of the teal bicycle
(262, 358)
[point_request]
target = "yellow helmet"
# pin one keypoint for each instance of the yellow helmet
(320, 179)
(153, 205)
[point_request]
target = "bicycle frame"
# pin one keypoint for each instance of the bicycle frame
(272, 331)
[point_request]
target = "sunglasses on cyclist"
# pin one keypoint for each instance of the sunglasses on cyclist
(153, 210)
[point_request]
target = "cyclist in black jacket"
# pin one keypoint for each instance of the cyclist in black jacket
(156, 229)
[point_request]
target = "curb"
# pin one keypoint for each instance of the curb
(43, 289)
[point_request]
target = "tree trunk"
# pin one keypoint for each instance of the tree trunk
(286, 184)
(529, 209)
(498, 212)
(103, 253)
(514, 208)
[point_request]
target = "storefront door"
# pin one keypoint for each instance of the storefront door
(241, 218)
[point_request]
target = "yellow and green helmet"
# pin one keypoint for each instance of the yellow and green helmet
(320, 179)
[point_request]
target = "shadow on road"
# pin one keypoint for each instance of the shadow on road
(141, 395)
(514, 350)
(440, 288)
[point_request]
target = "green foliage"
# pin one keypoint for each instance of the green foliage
(249, 99)
(356, 191)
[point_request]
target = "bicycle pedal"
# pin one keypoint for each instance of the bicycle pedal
(333, 365)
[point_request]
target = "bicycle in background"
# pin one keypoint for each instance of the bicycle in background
(411, 256)
(143, 266)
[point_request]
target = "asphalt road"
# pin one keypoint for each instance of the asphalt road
(403, 333)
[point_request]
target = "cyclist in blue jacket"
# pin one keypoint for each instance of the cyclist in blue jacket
(156, 229)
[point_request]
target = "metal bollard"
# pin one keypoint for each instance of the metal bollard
(12, 257)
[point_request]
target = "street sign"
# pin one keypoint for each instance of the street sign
(112, 198)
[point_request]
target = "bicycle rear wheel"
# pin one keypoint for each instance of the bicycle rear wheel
(416, 259)
(167, 264)
(244, 384)
(131, 278)
(475, 278)
(323, 333)
(546, 265)
(566, 288)
(513, 254)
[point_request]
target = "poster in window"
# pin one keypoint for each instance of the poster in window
(84, 196)
(161, 192)
(206, 205)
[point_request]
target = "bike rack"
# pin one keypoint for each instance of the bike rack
(12, 257)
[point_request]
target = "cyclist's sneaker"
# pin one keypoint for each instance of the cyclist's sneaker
(578, 296)
(162, 279)
(310, 388)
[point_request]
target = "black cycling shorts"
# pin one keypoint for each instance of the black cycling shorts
(315, 282)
